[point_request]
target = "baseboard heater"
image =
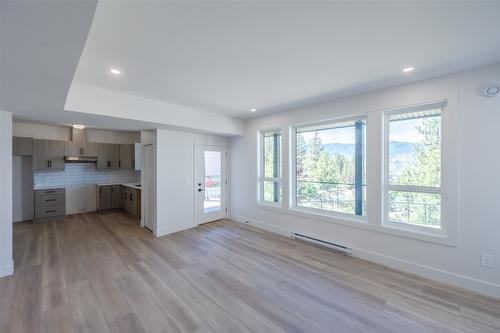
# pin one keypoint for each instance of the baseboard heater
(336, 247)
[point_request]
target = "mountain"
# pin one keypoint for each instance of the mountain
(398, 148)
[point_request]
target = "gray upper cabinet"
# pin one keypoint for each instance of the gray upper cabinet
(108, 156)
(90, 149)
(127, 152)
(22, 146)
(48, 155)
(76, 148)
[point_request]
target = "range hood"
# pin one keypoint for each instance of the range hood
(77, 147)
(80, 159)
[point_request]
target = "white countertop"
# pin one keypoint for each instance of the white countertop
(131, 185)
(48, 187)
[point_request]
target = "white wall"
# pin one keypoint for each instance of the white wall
(175, 192)
(52, 132)
(476, 120)
(94, 100)
(6, 259)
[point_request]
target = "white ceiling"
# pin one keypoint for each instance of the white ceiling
(229, 57)
(194, 59)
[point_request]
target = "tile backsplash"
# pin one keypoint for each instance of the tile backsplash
(83, 173)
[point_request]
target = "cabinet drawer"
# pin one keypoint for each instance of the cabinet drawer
(49, 191)
(54, 211)
(49, 200)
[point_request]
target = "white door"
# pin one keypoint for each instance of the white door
(148, 188)
(210, 183)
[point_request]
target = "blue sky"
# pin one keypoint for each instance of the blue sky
(402, 131)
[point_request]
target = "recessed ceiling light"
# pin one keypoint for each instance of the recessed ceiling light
(408, 69)
(253, 110)
(77, 126)
(115, 71)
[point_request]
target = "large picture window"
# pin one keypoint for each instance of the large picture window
(270, 184)
(330, 166)
(413, 167)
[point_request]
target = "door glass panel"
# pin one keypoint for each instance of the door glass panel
(212, 202)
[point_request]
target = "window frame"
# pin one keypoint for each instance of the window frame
(387, 187)
(278, 164)
(293, 171)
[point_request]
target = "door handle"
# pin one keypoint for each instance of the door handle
(201, 190)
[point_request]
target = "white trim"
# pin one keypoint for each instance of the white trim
(261, 167)
(479, 286)
(442, 231)
(362, 223)
(175, 228)
(293, 163)
(7, 270)
(262, 225)
(199, 214)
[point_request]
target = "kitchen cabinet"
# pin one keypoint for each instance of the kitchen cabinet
(22, 146)
(76, 148)
(48, 154)
(132, 200)
(50, 203)
(108, 156)
(127, 152)
(104, 195)
(116, 196)
(109, 197)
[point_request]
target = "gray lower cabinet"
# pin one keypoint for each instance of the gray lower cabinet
(119, 196)
(109, 197)
(104, 195)
(22, 146)
(116, 196)
(132, 200)
(48, 154)
(50, 203)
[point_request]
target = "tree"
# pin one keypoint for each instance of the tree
(421, 208)
(301, 154)
(319, 173)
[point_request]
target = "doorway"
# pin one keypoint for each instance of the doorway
(210, 183)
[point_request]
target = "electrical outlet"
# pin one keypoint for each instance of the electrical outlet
(487, 260)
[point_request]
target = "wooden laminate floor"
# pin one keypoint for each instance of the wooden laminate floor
(103, 273)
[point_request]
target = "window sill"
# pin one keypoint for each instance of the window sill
(271, 205)
(362, 223)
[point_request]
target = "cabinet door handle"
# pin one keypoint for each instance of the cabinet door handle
(48, 200)
(50, 211)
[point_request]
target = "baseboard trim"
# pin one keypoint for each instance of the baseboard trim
(6, 270)
(262, 225)
(174, 228)
(478, 286)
